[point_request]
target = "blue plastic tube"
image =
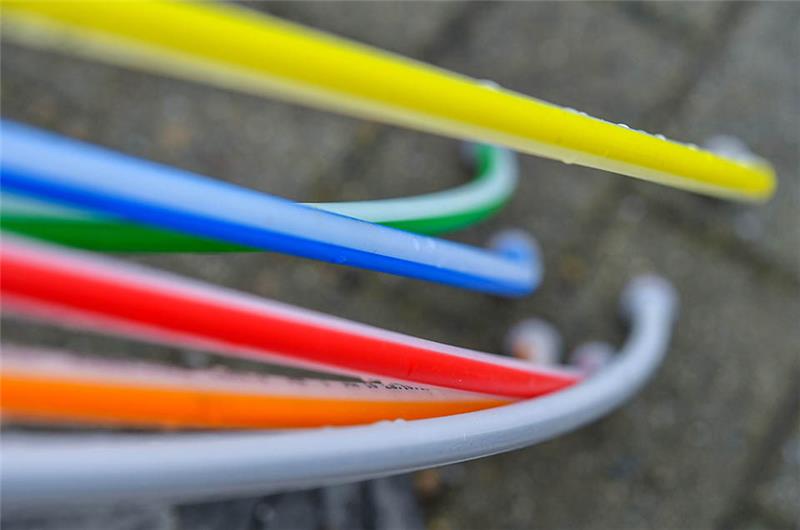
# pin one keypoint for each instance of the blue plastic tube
(47, 166)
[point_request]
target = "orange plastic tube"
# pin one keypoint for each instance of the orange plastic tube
(175, 399)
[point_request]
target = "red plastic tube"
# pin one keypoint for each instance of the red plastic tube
(113, 297)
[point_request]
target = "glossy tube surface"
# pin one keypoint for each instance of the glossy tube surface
(72, 470)
(243, 50)
(49, 167)
(54, 387)
(432, 213)
(111, 297)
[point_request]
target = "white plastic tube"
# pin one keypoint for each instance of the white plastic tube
(46, 470)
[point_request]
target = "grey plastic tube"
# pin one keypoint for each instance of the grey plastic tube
(46, 471)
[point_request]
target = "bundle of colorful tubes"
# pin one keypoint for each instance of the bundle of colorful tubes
(58, 192)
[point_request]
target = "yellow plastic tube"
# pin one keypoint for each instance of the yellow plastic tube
(247, 51)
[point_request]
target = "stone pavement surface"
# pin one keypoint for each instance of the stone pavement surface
(711, 443)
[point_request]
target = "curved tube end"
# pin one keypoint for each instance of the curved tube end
(535, 340)
(523, 247)
(764, 178)
(641, 291)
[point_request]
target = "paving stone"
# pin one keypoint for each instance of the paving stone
(344, 507)
(752, 92)
(382, 504)
(395, 506)
(780, 494)
(542, 49)
(773, 501)
(396, 26)
(296, 511)
(226, 515)
(686, 21)
(673, 456)
(150, 517)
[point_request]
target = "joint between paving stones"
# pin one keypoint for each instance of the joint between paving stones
(762, 460)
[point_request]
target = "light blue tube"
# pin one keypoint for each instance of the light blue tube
(43, 165)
